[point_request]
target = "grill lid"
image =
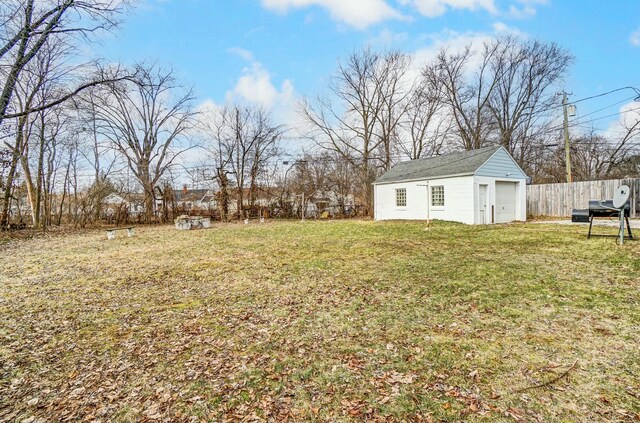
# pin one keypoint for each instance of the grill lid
(605, 208)
(605, 205)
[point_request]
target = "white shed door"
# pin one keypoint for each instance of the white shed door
(505, 202)
(482, 204)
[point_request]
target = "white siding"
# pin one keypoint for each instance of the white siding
(520, 201)
(458, 200)
(461, 194)
(501, 165)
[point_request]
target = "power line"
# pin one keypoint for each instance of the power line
(610, 92)
(580, 100)
(578, 122)
(607, 107)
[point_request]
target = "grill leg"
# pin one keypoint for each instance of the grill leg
(590, 225)
(629, 228)
(621, 233)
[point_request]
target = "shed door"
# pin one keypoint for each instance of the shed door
(505, 202)
(482, 204)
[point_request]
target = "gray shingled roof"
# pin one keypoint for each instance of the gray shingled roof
(190, 194)
(460, 163)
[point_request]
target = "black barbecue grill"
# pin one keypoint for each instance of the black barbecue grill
(600, 209)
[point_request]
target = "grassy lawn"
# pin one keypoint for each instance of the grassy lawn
(321, 321)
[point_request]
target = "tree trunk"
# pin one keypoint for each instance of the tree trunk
(4, 219)
(148, 201)
(252, 187)
(31, 189)
(239, 202)
(64, 193)
(39, 173)
(144, 176)
(224, 194)
(15, 159)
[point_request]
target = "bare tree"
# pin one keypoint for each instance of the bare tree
(360, 117)
(589, 156)
(424, 126)
(627, 146)
(391, 81)
(220, 147)
(526, 73)
(45, 77)
(254, 139)
(342, 184)
(27, 89)
(467, 89)
(27, 27)
(146, 121)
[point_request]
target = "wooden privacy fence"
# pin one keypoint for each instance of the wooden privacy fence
(559, 199)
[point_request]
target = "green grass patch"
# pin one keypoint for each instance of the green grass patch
(321, 321)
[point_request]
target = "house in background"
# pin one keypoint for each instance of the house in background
(195, 199)
(331, 203)
(264, 198)
(130, 202)
(474, 187)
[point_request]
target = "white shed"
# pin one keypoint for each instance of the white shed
(473, 187)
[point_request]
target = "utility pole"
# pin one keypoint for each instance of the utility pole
(567, 147)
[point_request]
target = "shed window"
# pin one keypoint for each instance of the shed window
(401, 197)
(437, 196)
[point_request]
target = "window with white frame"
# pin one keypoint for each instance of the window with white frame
(437, 196)
(401, 197)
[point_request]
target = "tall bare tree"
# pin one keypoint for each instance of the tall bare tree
(220, 147)
(45, 76)
(527, 75)
(27, 89)
(390, 78)
(147, 122)
(424, 127)
(254, 140)
(27, 27)
(466, 91)
(359, 117)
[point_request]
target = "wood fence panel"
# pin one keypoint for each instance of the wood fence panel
(560, 199)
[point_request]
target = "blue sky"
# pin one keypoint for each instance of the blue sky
(273, 51)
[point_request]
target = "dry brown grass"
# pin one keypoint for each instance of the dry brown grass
(321, 321)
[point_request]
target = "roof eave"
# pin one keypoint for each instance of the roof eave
(425, 179)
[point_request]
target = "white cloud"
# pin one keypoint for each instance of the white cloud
(359, 14)
(242, 53)
(208, 108)
(634, 39)
(387, 38)
(500, 28)
(629, 114)
(434, 8)
(525, 9)
(256, 87)
(455, 42)
(452, 41)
